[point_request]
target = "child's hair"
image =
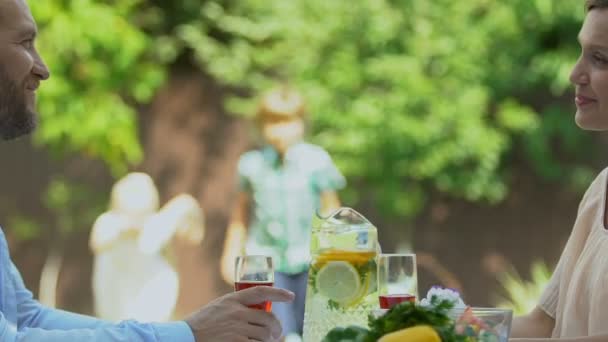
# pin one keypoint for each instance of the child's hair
(282, 103)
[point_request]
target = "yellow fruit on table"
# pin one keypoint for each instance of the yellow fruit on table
(421, 333)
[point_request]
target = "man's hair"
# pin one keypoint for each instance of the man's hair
(593, 4)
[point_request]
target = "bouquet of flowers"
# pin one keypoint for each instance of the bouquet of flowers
(440, 317)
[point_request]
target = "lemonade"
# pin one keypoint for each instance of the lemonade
(341, 287)
(341, 291)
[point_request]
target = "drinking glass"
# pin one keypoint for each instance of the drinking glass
(252, 271)
(485, 324)
(397, 279)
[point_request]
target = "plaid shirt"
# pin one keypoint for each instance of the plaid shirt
(285, 197)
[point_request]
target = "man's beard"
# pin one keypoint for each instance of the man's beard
(15, 118)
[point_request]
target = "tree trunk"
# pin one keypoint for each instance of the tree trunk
(191, 145)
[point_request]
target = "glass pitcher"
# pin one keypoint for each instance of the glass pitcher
(341, 289)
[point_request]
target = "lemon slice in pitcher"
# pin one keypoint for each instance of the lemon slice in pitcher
(339, 281)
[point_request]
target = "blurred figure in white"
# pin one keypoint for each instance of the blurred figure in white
(132, 276)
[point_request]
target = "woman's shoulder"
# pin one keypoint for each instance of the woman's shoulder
(599, 183)
(596, 190)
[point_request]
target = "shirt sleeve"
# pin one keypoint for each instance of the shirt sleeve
(327, 177)
(39, 323)
(585, 219)
(125, 331)
(550, 296)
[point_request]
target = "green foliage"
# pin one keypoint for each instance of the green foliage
(24, 228)
(409, 96)
(436, 94)
(100, 68)
(349, 334)
(522, 296)
(73, 208)
(402, 316)
(407, 315)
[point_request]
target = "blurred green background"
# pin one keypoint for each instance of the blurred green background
(452, 121)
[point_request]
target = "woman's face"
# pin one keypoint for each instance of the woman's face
(590, 74)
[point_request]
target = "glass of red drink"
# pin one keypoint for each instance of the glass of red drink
(397, 279)
(252, 271)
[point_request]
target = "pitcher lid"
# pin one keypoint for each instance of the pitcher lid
(340, 218)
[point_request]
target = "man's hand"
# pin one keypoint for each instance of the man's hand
(228, 319)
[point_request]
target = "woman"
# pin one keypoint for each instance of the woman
(282, 185)
(574, 306)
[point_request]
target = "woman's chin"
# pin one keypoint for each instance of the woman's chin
(591, 122)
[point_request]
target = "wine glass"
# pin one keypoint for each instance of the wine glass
(252, 271)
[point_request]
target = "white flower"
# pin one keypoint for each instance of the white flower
(443, 294)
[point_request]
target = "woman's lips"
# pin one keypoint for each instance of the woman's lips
(582, 100)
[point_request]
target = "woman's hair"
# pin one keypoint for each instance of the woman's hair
(281, 103)
(593, 4)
